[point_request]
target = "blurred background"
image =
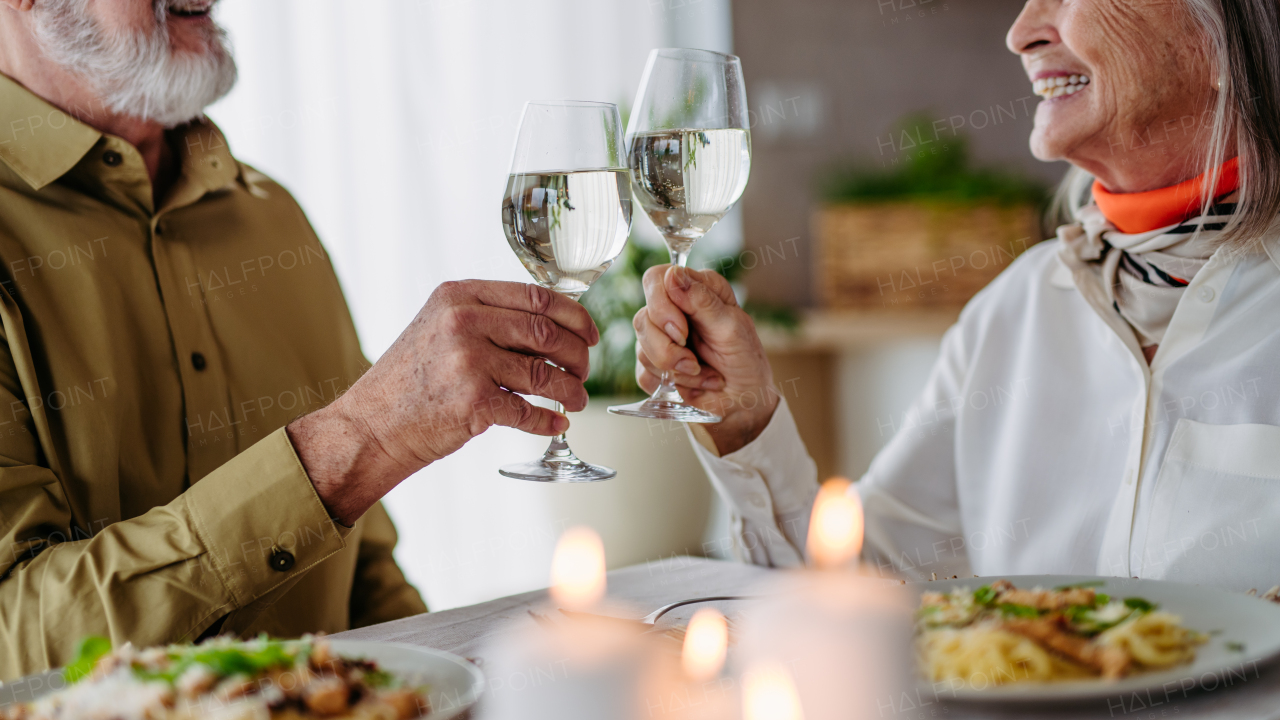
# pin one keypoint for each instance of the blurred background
(890, 181)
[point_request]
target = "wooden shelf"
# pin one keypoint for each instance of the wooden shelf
(833, 330)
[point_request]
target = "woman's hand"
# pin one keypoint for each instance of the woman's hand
(691, 324)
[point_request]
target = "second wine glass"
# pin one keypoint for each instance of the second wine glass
(566, 214)
(689, 150)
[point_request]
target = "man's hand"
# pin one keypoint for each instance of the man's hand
(691, 324)
(452, 374)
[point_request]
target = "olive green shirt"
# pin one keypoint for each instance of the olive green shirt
(149, 361)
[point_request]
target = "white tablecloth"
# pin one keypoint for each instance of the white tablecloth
(463, 631)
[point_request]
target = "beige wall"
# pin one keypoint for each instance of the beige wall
(828, 79)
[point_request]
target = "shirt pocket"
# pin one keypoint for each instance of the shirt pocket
(1216, 508)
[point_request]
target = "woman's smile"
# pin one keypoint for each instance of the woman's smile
(1055, 85)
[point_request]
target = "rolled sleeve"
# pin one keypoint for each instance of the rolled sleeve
(769, 485)
(260, 520)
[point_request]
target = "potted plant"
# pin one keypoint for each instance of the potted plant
(928, 230)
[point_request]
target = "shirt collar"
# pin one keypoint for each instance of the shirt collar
(38, 141)
(41, 143)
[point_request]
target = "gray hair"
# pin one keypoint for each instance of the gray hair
(1243, 44)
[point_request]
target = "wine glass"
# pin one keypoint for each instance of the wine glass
(689, 149)
(566, 214)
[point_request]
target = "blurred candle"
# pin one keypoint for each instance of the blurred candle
(769, 693)
(578, 569)
(571, 668)
(841, 634)
(836, 526)
(706, 641)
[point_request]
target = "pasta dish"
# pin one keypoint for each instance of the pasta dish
(223, 679)
(1000, 634)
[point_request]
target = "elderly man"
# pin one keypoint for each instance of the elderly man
(189, 440)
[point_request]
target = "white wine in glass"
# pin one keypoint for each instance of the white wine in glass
(567, 213)
(689, 150)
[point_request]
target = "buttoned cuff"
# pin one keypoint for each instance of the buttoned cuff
(769, 476)
(260, 520)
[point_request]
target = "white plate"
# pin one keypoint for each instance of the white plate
(1232, 618)
(454, 683)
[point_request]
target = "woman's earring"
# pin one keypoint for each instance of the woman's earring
(1217, 84)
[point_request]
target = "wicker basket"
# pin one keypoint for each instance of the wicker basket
(911, 255)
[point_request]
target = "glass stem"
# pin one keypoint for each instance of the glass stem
(679, 258)
(666, 384)
(559, 445)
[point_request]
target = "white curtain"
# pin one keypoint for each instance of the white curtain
(392, 122)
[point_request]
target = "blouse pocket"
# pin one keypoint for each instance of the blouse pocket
(1216, 507)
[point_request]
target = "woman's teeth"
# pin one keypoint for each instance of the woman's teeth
(1052, 87)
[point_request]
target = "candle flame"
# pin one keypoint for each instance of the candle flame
(769, 693)
(577, 569)
(835, 529)
(706, 641)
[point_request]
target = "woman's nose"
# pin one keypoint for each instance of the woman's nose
(1035, 27)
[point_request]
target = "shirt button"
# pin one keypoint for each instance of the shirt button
(112, 158)
(756, 499)
(1206, 294)
(282, 561)
(198, 361)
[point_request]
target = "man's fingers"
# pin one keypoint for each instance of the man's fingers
(663, 313)
(658, 346)
(514, 411)
(527, 333)
(532, 299)
(534, 376)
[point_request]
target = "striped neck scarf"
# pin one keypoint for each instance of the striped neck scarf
(1144, 274)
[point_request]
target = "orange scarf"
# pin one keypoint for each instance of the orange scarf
(1133, 213)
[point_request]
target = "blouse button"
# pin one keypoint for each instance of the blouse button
(112, 158)
(1206, 294)
(198, 362)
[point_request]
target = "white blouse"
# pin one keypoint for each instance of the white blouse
(1043, 442)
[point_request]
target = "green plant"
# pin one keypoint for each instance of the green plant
(618, 295)
(932, 167)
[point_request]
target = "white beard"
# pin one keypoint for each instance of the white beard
(136, 74)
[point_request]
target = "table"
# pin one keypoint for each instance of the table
(464, 631)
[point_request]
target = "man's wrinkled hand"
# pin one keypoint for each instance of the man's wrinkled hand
(451, 375)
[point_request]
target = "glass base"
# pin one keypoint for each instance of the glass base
(656, 409)
(558, 465)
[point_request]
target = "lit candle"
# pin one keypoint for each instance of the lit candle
(706, 642)
(833, 643)
(769, 693)
(836, 525)
(578, 569)
(569, 668)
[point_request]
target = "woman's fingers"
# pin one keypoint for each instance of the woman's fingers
(705, 379)
(662, 312)
(657, 345)
(707, 299)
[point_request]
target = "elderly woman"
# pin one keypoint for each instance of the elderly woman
(1144, 341)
